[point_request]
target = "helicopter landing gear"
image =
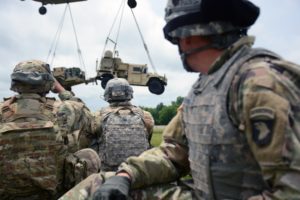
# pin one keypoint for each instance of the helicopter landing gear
(42, 10)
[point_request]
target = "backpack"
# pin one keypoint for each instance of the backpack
(31, 158)
(123, 135)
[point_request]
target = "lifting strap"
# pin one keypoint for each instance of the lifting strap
(53, 47)
(108, 39)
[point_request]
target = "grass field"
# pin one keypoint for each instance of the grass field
(157, 135)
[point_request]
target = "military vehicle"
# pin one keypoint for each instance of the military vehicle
(109, 68)
(69, 77)
(136, 74)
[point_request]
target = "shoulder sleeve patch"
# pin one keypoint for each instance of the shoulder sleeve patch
(262, 122)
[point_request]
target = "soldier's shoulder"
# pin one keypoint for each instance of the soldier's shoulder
(267, 71)
(105, 110)
(147, 114)
(256, 71)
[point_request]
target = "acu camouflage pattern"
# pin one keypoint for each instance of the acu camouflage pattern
(222, 164)
(124, 134)
(175, 9)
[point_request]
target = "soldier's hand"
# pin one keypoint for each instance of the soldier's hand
(57, 87)
(116, 187)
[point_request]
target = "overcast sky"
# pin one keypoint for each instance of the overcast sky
(24, 34)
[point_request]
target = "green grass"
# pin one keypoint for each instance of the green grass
(157, 136)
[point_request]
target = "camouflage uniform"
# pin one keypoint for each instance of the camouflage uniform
(238, 131)
(263, 93)
(97, 116)
(57, 129)
(135, 130)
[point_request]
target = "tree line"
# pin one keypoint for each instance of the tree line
(162, 114)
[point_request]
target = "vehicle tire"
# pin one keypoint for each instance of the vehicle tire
(155, 86)
(104, 81)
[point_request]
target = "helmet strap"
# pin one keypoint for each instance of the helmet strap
(217, 42)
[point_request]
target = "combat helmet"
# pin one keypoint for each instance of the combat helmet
(118, 90)
(32, 76)
(208, 18)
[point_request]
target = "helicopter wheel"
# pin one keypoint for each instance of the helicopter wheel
(42, 10)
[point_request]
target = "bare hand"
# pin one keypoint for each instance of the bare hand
(57, 87)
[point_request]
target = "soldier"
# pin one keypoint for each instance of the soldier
(238, 131)
(123, 129)
(39, 136)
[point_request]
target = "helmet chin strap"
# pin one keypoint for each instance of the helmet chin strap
(217, 42)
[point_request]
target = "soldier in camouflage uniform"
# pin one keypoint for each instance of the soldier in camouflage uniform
(39, 137)
(238, 133)
(123, 129)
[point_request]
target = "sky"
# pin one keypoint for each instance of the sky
(25, 35)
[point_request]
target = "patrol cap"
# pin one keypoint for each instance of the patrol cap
(207, 17)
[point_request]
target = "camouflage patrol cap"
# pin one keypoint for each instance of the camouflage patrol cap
(118, 90)
(32, 76)
(207, 17)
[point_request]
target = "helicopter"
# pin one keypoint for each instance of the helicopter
(43, 9)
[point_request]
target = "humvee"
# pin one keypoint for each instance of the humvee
(69, 76)
(135, 74)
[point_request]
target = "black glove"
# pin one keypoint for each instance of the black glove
(115, 188)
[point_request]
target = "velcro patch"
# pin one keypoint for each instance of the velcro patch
(262, 121)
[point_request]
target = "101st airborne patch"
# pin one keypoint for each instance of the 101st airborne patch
(262, 122)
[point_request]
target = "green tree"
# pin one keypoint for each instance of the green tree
(166, 114)
(162, 114)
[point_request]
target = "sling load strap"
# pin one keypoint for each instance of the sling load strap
(145, 45)
(57, 38)
(119, 12)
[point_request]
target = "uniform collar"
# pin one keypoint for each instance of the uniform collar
(244, 41)
(31, 96)
(116, 104)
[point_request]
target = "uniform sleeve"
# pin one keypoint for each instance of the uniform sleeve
(162, 164)
(65, 95)
(149, 122)
(68, 95)
(75, 123)
(268, 104)
(97, 130)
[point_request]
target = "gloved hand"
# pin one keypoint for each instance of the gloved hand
(115, 188)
